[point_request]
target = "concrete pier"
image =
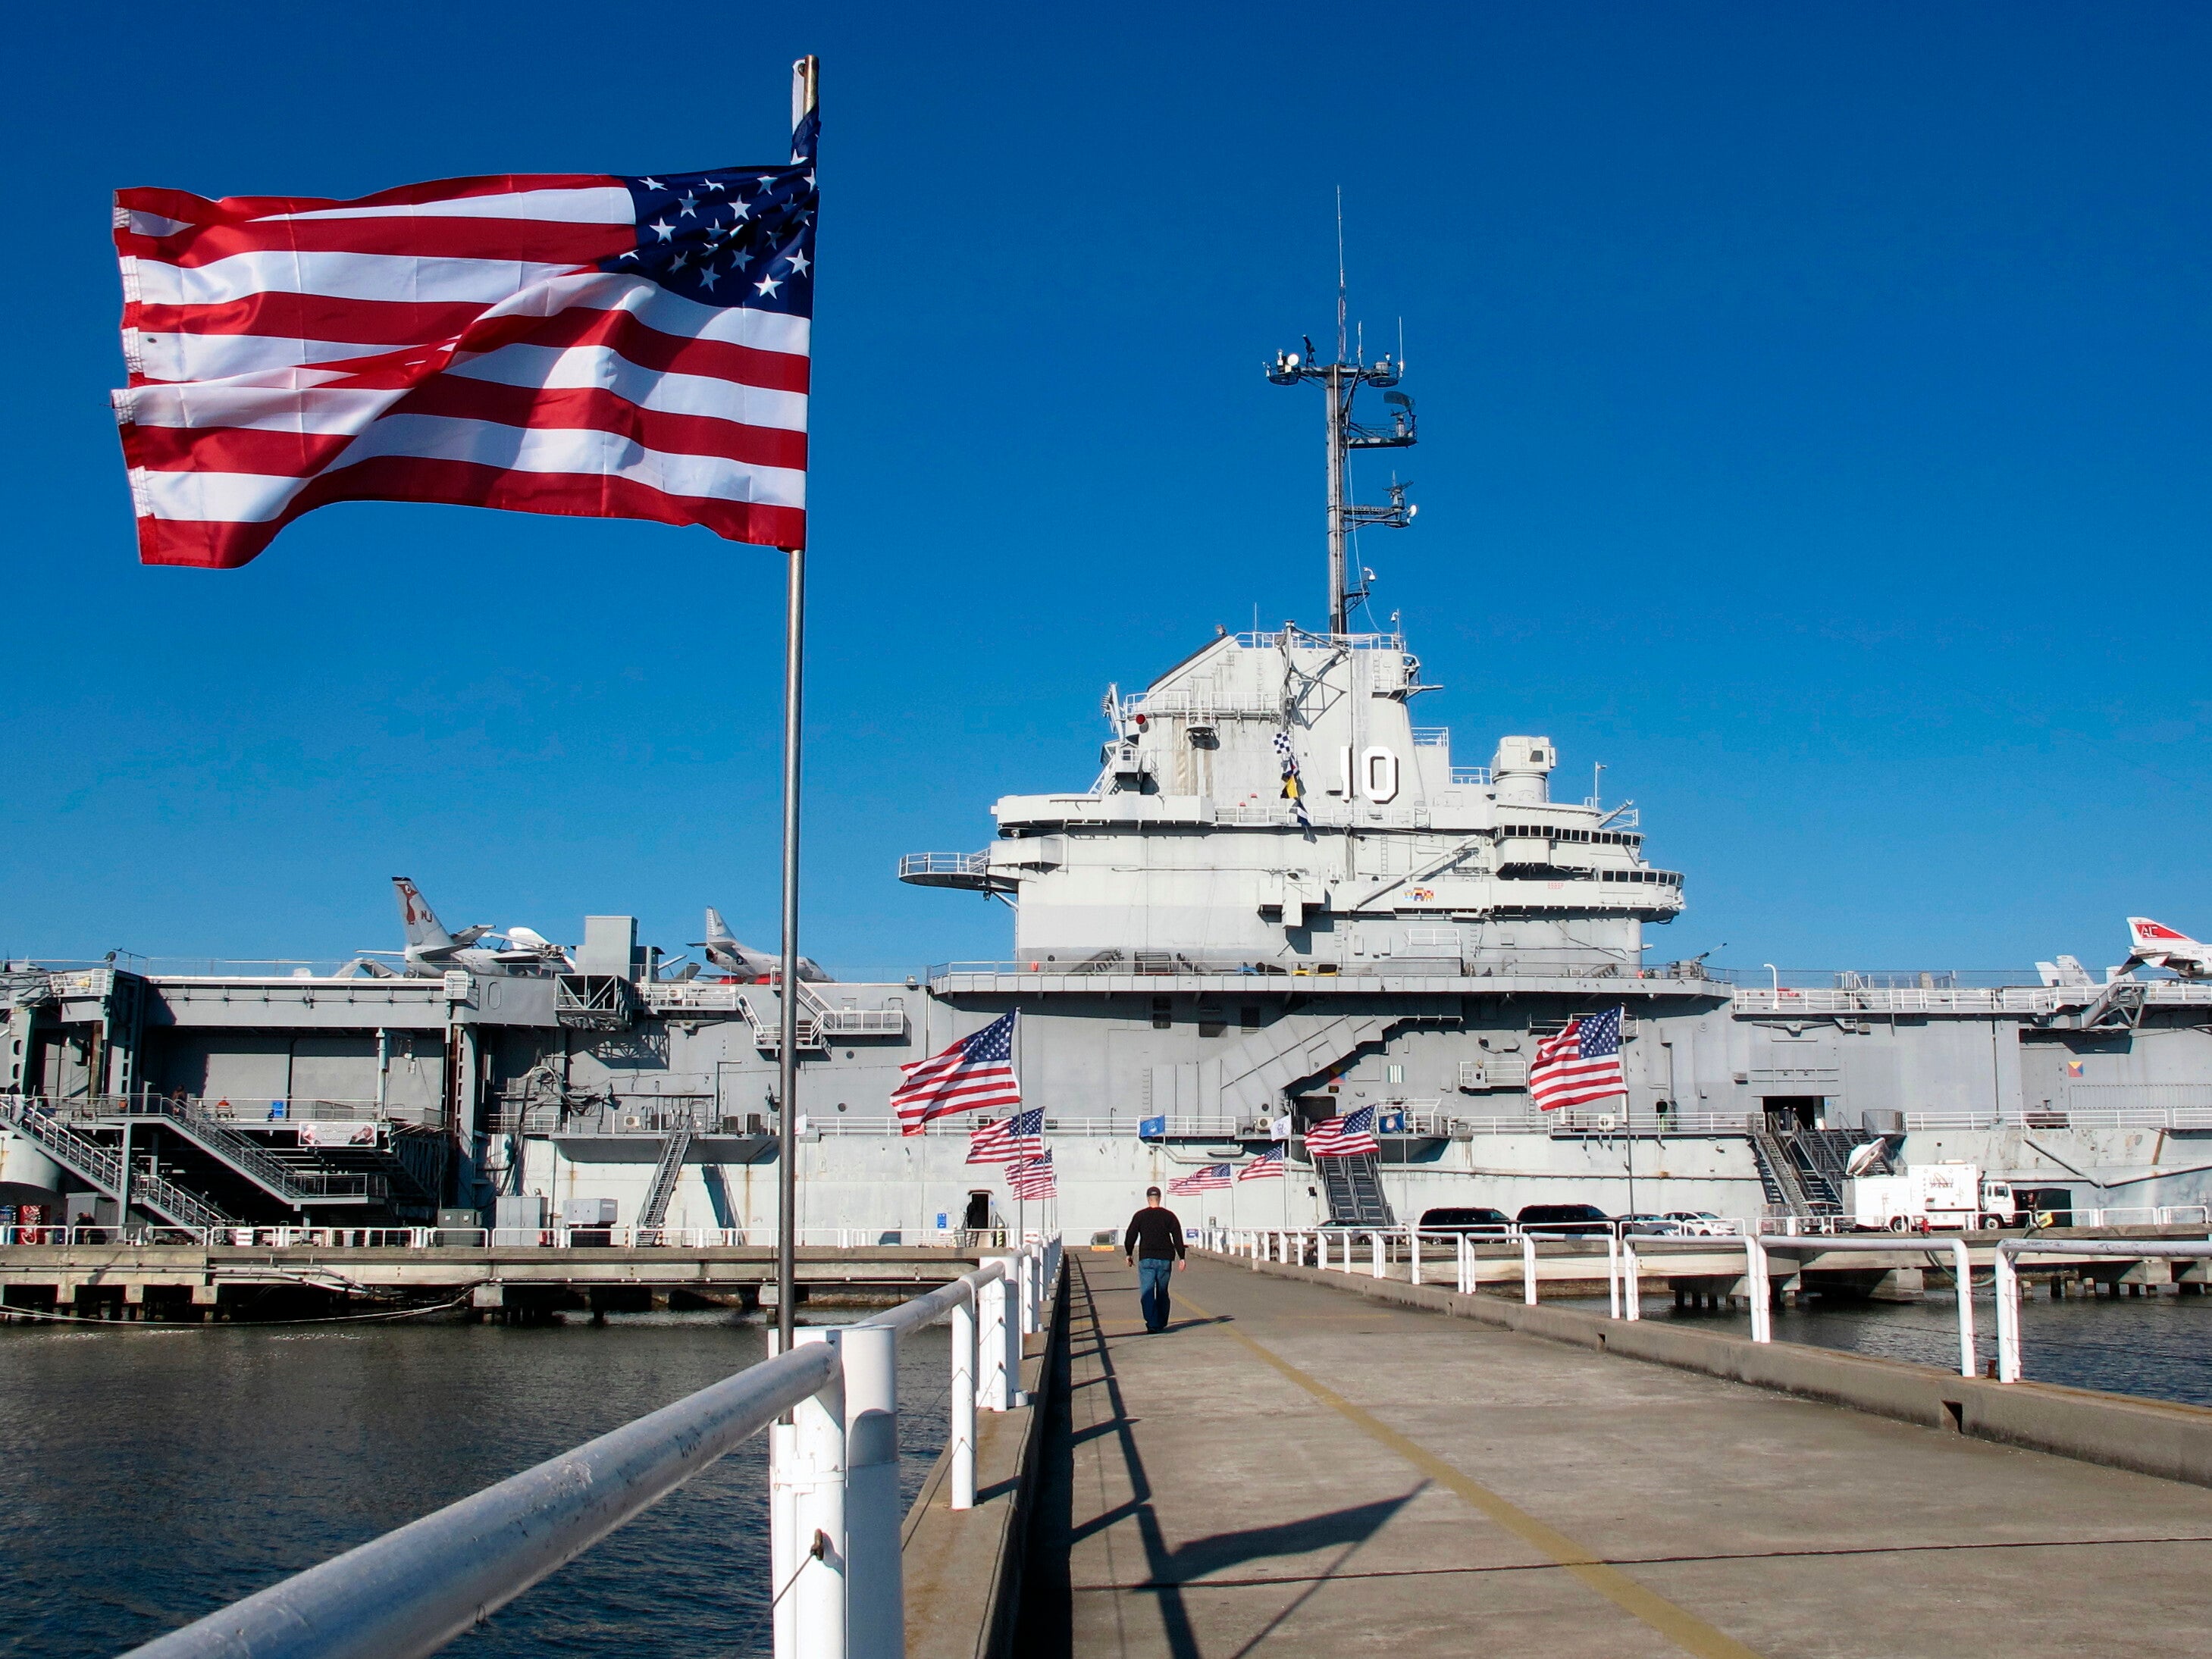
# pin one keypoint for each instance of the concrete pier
(1294, 1468)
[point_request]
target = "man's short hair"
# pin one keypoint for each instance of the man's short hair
(1152, 1192)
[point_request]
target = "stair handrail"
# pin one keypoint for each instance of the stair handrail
(102, 1165)
(272, 1172)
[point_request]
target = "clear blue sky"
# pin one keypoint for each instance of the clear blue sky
(1815, 417)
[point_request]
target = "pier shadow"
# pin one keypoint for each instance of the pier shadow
(1046, 1623)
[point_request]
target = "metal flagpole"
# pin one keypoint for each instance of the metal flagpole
(805, 80)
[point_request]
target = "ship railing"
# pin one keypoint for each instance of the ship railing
(2070, 1116)
(836, 1589)
(277, 1113)
(1265, 974)
(560, 1236)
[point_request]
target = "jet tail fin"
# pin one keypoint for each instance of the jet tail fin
(2147, 935)
(718, 931)
(424, 932)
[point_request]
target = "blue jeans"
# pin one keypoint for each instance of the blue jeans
(1153, 1273)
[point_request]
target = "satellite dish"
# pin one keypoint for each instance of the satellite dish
(1863, 1158)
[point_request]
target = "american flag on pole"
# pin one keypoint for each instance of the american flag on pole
(1009, 1140)
(1344, 1137)
(591, 344)
(975, 1075)
(1580, 1064)
(1268, 1166)
(1032, 1178)
(1212, 1178)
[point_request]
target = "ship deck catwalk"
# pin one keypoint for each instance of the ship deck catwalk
(1294, 1470)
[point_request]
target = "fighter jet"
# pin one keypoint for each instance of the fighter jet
(431, 950)
(2154, 944)
(741, 961)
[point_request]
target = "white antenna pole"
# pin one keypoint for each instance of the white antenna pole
(1340, 273)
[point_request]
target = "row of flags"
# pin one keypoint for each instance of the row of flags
(1268, 1166)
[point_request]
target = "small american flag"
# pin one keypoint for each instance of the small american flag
(1344, 1137)
(1009, 1140)
(1212, 1178)
(594, 344)
(1580, 1064)
(1268, 1166)
(976, 1074)
(1032, 1178)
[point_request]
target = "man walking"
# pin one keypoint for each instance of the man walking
(1154, 1247)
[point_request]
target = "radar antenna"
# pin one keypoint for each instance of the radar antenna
(1343, 378)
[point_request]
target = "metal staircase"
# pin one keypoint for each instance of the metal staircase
(300, 1188)
(102, 1166)
(1823, 1155)
(1354, 1188)
(1784, 1178)
(665, 1175)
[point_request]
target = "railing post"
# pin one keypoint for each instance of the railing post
(875, 1590)
(1374, 1253)
(1026, 1286)
(2008, 1277)
(963, 1402)
(1631, 1288)
(815, 1586)
(1413, 1255)
(1527, 1270)
(1762, 1293)
(1613, 1275)
(1462, 1258)
(999, 1342)
(1969, 1361)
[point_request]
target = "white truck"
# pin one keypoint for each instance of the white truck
(1931, 1198)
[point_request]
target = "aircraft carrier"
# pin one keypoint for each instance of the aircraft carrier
(1282, 896)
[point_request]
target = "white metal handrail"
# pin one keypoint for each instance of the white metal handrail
(834, 1475)
(2008, 1277)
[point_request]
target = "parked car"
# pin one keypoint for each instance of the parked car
(1475, 1219)
(1662, 1226)
(1704, 1224)
(1564, 1220)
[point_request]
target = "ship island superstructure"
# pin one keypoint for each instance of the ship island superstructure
(1280, 897)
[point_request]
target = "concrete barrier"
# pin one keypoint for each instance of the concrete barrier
(963, 1567)
(2150, 1437)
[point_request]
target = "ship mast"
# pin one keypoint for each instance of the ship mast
(1343, 378)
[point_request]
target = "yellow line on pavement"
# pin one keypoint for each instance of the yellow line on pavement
(1685, 1630)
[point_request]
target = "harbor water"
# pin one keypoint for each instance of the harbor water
(2158, 1346)
(149, 1475)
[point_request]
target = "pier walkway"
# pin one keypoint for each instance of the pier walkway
(1293, 1469)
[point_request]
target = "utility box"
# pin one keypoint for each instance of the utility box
(457, 1226)
(588, 1212)
(1930, 1198)
(519, 1220)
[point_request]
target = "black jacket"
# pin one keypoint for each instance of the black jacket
(1154, 1234)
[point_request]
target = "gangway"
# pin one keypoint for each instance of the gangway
(665, 1175)
(1354, 1188)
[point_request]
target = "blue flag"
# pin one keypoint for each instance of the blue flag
(1152, 1128)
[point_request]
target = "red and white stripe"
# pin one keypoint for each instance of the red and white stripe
(451, 341)
(1560, 1076)
(1033, 1178)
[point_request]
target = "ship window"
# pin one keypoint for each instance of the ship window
(1248, 1019)
(1162, 1016)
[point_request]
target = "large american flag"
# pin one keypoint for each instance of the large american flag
(583, 344)
(1580, 1064)
(1032, 1178)
(1268, 1166)
(1344, 1137)
(1009, 1140)
(1212, 1178)
(975, 1075)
